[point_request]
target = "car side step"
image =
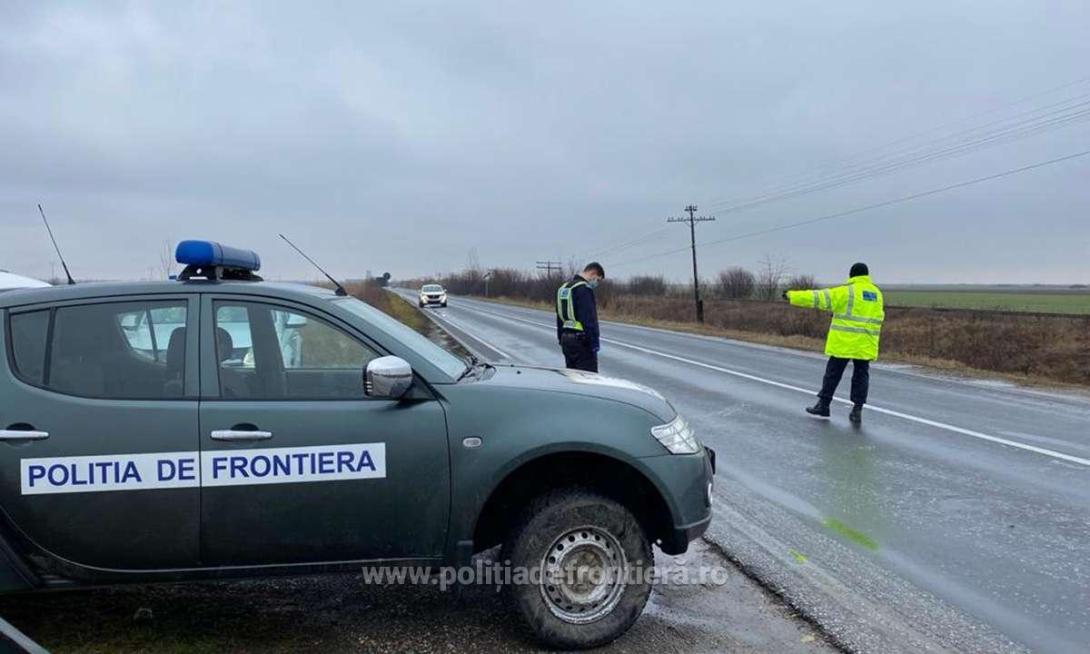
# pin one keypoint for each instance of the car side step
(13, 641)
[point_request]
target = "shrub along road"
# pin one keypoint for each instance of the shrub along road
(957, 517)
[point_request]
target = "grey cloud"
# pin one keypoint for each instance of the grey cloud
(399, 137)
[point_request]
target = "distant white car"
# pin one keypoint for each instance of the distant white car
(11, 281)
(431, 294)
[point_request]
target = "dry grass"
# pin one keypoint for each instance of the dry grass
(390, 304)
(1025, 348)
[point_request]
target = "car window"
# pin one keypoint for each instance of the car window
(271, 352)
(115, 350)
(418, 343)
(148, 331)
(29, 332)
(234, 342)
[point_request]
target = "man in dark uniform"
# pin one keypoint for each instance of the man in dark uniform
(577, 319)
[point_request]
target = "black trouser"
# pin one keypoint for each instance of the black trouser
(834, 370)
(578, 353)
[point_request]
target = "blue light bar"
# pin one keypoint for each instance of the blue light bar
(210, 253)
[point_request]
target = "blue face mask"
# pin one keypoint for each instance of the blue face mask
(593, 283)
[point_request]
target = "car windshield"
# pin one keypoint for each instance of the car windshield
(433, 288)
(444, 360)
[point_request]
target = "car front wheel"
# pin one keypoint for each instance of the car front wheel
(585, 559)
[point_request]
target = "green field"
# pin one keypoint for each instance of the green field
(1050, 301)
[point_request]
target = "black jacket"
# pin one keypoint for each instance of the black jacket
(586, 312)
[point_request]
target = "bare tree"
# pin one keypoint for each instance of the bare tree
(645, 285)
(166, 259)
(770, 274)
(736, 283)
(800, 283)
(473, 274)
(574, 267)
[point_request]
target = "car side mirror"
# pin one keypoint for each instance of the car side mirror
(387, 378)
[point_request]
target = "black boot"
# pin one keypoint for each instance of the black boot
(856, 416)
(821, 409)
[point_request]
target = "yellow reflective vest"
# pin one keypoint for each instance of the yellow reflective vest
(565, 305)
(858, 313)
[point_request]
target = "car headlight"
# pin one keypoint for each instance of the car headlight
(677, 437)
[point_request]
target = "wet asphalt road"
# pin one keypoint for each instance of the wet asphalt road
(956, 518)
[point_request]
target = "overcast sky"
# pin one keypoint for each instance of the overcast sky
(413, 137)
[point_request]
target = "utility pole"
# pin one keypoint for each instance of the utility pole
(693, 219)
(550, 266)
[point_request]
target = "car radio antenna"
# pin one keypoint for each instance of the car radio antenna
(340, 289)
(71, 282)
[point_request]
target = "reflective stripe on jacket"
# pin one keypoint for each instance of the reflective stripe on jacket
(565, 306)
(858, 312)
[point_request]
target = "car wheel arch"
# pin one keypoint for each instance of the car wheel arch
(614, 477)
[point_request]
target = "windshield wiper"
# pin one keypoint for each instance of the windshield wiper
(471, 365)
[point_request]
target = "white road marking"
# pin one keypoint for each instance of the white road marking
(904, 416)
(441, 318)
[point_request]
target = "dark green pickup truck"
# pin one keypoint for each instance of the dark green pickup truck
(221, 426)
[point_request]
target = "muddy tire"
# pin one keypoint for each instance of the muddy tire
(586, 557)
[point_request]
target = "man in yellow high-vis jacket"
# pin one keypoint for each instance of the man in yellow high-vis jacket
(858, 312)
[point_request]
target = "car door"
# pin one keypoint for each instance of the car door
(98, 430)
(298, 464)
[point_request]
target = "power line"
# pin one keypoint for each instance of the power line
(627, 244)
(856, 160)
(857, 168)
(918, 155)
(878, 205)
(940, 126)
(1006, 134)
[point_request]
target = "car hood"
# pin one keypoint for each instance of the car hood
(589, 384)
